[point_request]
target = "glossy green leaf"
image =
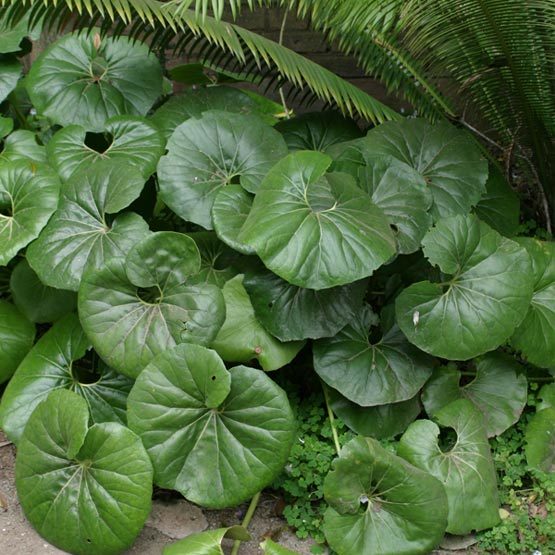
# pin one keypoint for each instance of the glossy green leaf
(206, 543)
(217, 261)
(38, 302)
(540, 440)
(317, 130)
(12, 34)
(216, 436)
(380, 421)
(465, 468)
(28, 197)
(192, 103)
(85, 79)
(546, 397)
(499, 390)
(61, 359)
(316, 229)
(80, 233)
(272, 548)
(206, 154)
(16, 338)
(22, 145)
(291, 313)
(535, 337)
(446, 157)
(129, 324)
(380, 504)
(480, 305)
(85, 490)
(499, 206)
(128, 140)
(371, 372)
(232, 205)
(242, 338)
(10, 72)
(6, 126)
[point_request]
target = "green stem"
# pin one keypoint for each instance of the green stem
(331, 419)
(246, 521)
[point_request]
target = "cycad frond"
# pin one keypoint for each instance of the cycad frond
(222, 44)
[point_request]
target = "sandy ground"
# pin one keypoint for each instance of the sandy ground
(170, 520)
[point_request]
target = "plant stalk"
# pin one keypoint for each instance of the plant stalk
(246, 521)
(331, 419)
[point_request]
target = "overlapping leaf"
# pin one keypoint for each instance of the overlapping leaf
(55, 363)
(85, 490)
(207, 543)
(316, 229)
(10, 72)
(216, 436)
(80, 232)
(540, 440)
(22, 145)
(479, 307)
(211, 152)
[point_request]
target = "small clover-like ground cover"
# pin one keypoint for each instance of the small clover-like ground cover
(214, 435)
(86, 490)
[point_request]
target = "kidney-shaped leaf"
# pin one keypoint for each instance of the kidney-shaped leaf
(216, 436)
(316, 230)
(371, 373)
(79, 233)
(447, 158)
(84, 79)
(28, 197)
(85, 490)
(540, 440)
(22, 145)
(38, 302)
(479, 307)
(380, 504)
(465, 468)
(16, 338)
(129, 323)
(211, 152)
(129, 140)
(242, 338)
(535, 337)
(499, 390)
(291, 313)
(54, 363)
(207, 543)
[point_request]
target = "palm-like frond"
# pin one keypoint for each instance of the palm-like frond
(223, 45)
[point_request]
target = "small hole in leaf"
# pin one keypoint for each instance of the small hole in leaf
(394, 228)
(213, 378)
(447, 439)
(270, 304)
(89, 541)
(99, 142)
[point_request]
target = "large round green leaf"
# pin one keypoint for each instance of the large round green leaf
(231, 207)
(22, 145)
(291, 313)
(28, 197)
(499, 206)
(499, 390)
(479, 307)
(380, 421)
(87, 491)
(380, 504)
(193, 102)
(447, 158)
(465, 468)
(56, 362)
(129, 323)
(38, 302)
(540, 440)
(316, 229)
(207, 543)
(242, 338)
(16, 338)
(10, 72)
(370, 372)
(129, 140)
(80, 232)
(215, 436)
(535, 337)
(85, 79)
(211, 152)
(317, 130)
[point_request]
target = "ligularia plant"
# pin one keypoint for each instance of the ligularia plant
(168, 254)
